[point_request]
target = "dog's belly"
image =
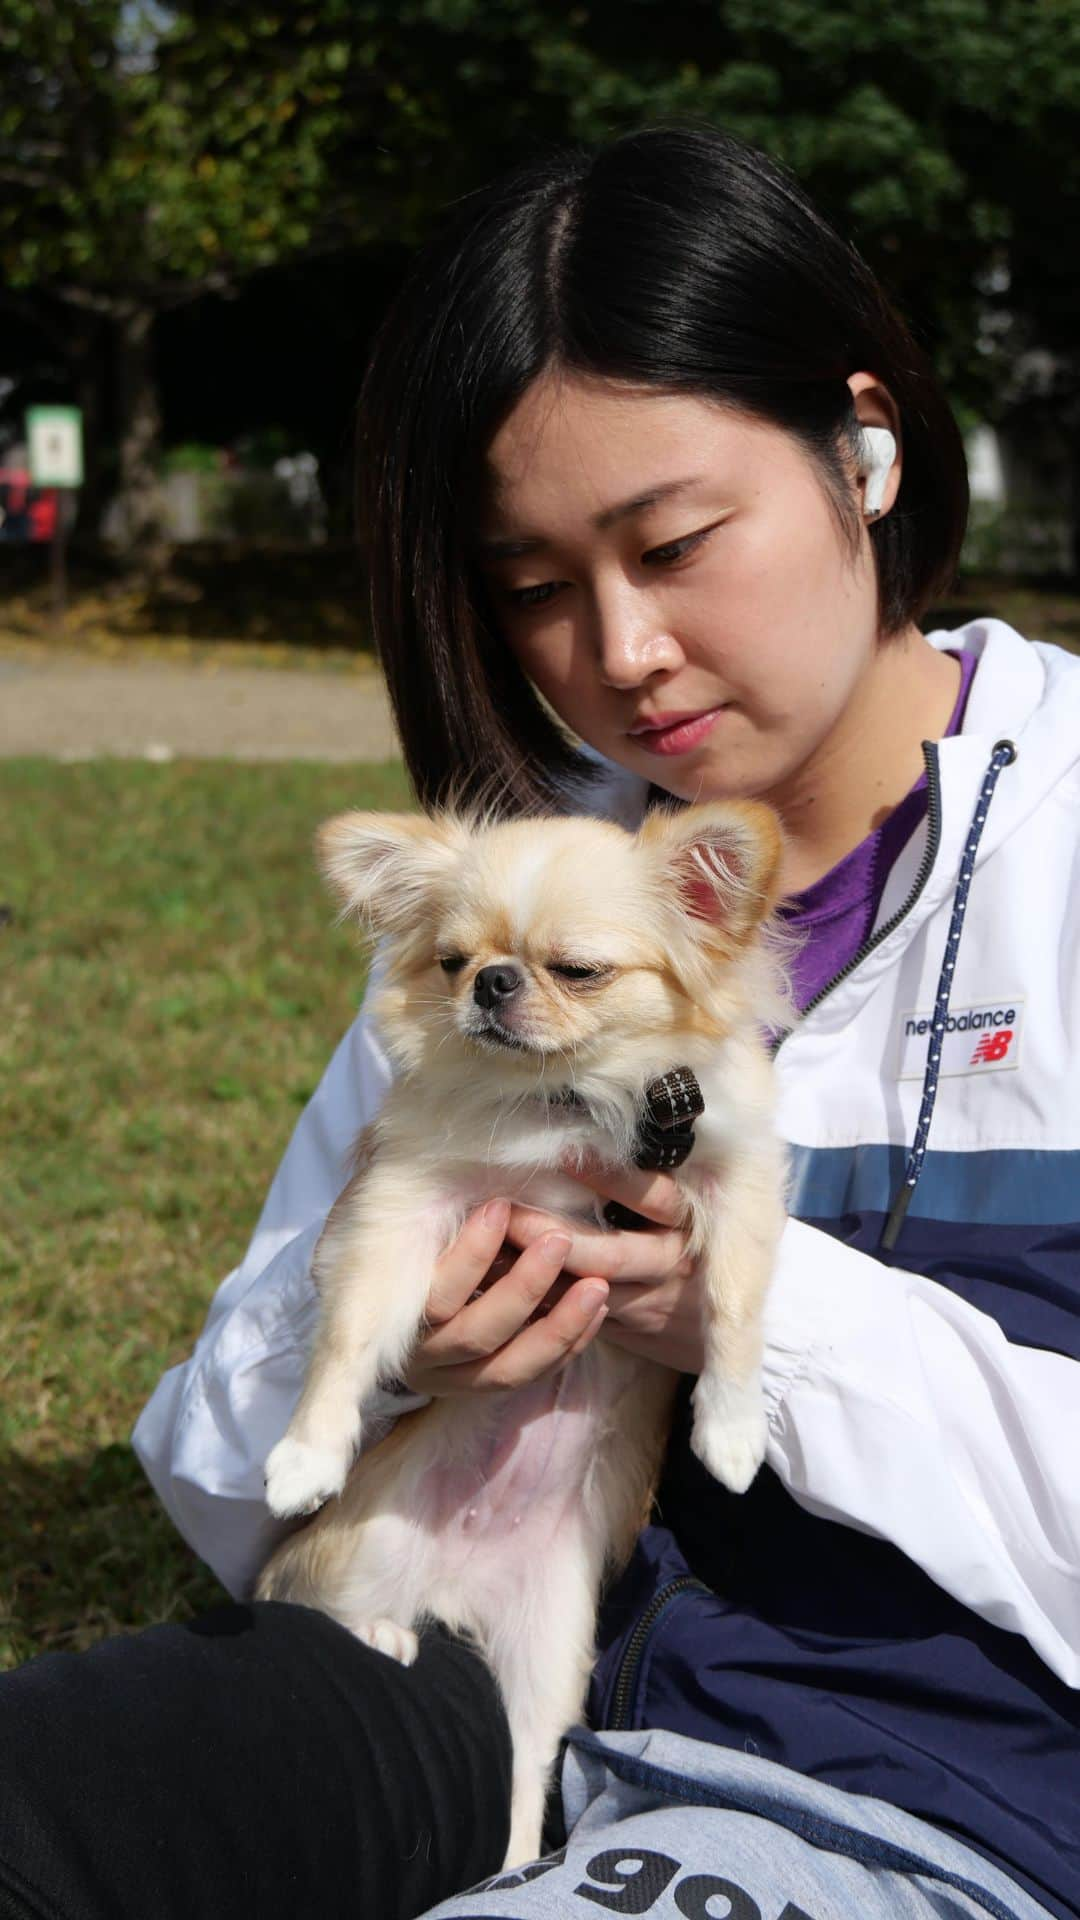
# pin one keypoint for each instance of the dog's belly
(524, 1469)
(470, 1515)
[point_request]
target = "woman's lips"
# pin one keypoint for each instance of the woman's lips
(678, 738)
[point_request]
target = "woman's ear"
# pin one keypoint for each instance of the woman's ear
(721, 861)
(382, 866)
(875, 407)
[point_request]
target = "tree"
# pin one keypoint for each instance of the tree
(148, 158)
(144, 164)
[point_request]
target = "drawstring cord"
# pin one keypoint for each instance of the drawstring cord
(1003, 756)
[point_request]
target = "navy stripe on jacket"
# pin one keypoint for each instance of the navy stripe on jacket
(999, 1228)
(829, 1651)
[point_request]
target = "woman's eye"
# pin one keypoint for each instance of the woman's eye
(676, 549)
(451, 962)
(532, 596)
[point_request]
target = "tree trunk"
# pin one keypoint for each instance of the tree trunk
(88, 353)
(135, 521)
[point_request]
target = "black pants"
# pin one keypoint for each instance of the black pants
(257, 1763)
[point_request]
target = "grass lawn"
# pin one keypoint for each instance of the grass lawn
(171, 988)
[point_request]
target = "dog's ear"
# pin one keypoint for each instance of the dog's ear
(720, 861)
(383, 866)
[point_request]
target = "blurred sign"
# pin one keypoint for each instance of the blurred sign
(54, 435)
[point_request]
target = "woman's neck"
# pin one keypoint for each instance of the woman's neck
(870, 761)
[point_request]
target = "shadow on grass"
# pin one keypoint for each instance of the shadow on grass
(86, 1551)
(212, 591)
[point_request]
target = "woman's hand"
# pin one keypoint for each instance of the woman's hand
(497, 1318)
(654, 1307)
(500, 1318)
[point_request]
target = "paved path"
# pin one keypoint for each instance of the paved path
(71, 706)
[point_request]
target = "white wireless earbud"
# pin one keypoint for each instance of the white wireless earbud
(877, 451)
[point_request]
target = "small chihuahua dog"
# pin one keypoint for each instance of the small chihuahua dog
(542, 973)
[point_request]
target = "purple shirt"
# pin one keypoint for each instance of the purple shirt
(838, 911)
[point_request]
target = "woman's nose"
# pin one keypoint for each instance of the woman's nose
(632, 639)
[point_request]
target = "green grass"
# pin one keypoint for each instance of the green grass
(171, 988)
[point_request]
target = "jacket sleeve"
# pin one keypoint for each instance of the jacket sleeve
(898, 1408)
(205, 1433)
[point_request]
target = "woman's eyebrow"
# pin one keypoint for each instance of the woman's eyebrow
(511, 549)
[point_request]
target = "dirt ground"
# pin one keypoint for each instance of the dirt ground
(74, 706)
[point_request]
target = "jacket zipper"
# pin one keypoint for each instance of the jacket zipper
(933, 841)
(631, 1659)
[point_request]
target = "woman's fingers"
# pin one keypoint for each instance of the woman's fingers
(483, 1325)
(542, 1347)
(615, 1256)
(464, 1264)
(653, 1194)
(498, 1318)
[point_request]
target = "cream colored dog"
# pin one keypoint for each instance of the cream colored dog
(541, 973)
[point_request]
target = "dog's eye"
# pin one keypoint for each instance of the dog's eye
(567, 971)
(451, 962)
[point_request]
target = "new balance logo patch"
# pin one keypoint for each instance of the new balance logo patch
(993, 1046)
(980, 1039)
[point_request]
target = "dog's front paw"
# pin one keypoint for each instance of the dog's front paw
(398, 1643)
(299, 1477)
(730, 1430)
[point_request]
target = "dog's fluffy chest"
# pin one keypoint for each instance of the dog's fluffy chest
(520, 1155)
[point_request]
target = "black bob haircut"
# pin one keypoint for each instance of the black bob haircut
(675, 257)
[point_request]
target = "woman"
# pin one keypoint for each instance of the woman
(615, 474)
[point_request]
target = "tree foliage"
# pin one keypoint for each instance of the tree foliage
(148, 156)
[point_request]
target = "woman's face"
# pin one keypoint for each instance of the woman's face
(652, 557)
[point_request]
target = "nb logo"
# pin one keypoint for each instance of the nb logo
(985, 1038)
(992, 1046)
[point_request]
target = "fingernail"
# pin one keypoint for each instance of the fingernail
(557, 1246)
(592, 1299)
(496, 1213)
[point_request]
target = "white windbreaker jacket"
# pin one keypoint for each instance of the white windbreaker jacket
(930, 1396)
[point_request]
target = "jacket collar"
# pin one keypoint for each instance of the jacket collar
(1024, 691)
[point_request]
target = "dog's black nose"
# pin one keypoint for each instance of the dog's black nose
(493, 984)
